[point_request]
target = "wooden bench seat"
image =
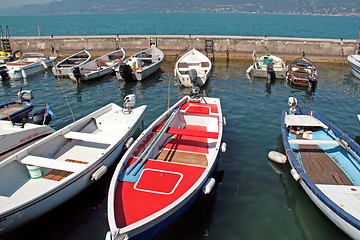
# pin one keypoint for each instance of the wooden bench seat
(88, 137)
(312, 142)
(53, 163)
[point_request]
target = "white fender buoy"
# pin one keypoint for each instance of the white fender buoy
(23, 73)
(223, 147)
(249, 69)
(224, 121)
(44, 64)
(277, 157)
(128, 143)
(98, 173)
(295, 174)
(209, 185)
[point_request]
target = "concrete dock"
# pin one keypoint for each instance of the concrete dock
(219, 47)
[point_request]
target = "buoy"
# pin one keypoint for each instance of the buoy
(44, 64)
(249, 69)
(295, 174)
(128, 143)
(23, 73)
(223, 147)
(277, 157)
(98, 173)
(224, 121)
(209, 185)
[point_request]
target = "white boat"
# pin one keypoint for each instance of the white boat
(192, 69)
(141, 65)
(326, 163)
(66, 66)
(166, 168)
(99, 67)
(28, 64)
(59, 166)
(267, 66)
(354, 61)
(13, 135)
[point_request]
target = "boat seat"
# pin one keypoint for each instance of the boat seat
(205, 64)
(89, 137)
(312, 142)
(187, 132)
(53, 163)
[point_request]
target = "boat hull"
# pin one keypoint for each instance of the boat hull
(16, 72)
(180, 174)
(60, 191)
(66, 66)
(354, 62)
(15, 116)
(318, 192)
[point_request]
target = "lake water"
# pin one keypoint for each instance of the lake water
(233, 24)
(252, 200)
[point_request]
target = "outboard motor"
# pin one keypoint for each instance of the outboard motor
(129, 103)
(40, 116)
(125, 72)
(312, 80)
(292, 102)
(270, 72)
(3, 72)
(195, 93)
(77, 74)
(192, 76)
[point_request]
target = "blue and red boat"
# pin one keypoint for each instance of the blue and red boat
(165, 169)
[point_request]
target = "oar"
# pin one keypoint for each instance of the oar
(343, 144)
(134, 169)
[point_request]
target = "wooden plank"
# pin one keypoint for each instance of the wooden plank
(183, 157)
(320, 168)
(57, 175)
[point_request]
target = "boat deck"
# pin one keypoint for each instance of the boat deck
(321, 168)
(6, 111)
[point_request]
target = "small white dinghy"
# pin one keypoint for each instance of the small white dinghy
(66, 66)
(354, 62)
(59, 166)
(192, 69)
(28, 64)
(141, 65)
(99, 67)
(267, 66)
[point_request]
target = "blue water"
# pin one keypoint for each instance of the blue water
(233, 24)
(253, 200)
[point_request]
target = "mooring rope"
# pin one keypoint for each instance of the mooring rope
(62, 89)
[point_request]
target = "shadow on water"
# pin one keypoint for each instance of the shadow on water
(308, 217)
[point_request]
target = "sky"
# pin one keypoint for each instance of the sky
(15, 3)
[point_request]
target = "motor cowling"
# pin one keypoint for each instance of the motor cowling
(77, 73)
(192, 76)
(125, 72)
(39, 116)
(270, 71)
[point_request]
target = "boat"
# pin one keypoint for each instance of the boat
(192, 69)
(13, 135)
(140, 65)
(28, 64)
(302, 72)
(99, 67)
(46, 174)
(267, 66)
(354, 62)
(16, 111)
(165, 169)
(64, 67)
(326, 163)
(8, 57)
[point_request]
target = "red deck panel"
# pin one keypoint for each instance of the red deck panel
(187, 132)
(200, 108)
(190, 143)
(132, 205)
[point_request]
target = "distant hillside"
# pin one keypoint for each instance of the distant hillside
(318, 7)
